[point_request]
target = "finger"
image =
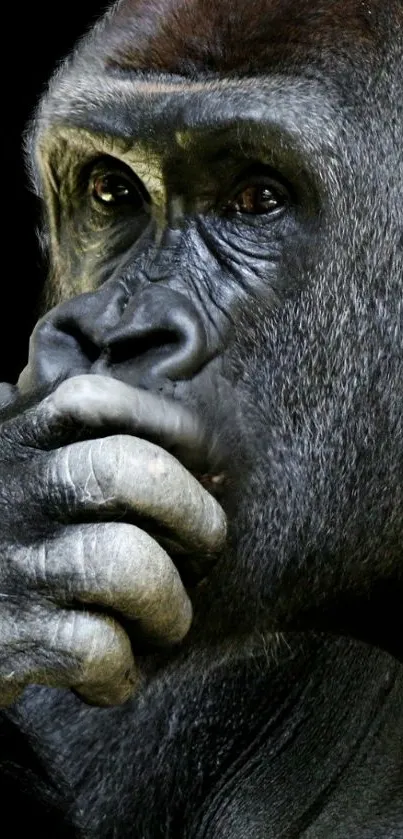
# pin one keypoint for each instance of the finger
(123, 474)
(99, 404)
(116, 566)
(65, 649)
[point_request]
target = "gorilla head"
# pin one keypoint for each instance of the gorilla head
(240, 249)
(222, 186)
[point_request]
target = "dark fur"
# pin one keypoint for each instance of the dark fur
(204, 36)
(281, 716)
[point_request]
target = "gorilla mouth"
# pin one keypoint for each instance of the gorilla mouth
(213, 482)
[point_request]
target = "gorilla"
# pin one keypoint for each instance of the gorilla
(201, 576)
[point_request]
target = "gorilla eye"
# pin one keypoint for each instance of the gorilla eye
(117, 188)
(257, 199)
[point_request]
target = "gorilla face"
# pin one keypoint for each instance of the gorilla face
(201, 466)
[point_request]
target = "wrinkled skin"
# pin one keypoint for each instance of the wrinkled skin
(201, 464)
(47, 565)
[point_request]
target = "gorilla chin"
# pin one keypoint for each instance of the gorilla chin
(201, 508)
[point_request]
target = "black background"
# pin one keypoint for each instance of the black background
(35, 37)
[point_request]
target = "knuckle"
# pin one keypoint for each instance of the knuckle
(30, 562)
(76, 475)
(93, 469)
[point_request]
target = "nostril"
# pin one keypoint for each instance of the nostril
(57, 351)
(155, 342)
(159, 336)
(87, 319)
(89, 349)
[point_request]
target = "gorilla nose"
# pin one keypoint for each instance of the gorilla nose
(154, 336)
(159, 336)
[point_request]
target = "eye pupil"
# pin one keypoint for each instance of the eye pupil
(113, 189)
(256, 199)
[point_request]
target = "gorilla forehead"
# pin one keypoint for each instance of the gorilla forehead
(186, 36)
(186, 63)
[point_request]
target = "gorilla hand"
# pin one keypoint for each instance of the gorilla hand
(60, 551)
